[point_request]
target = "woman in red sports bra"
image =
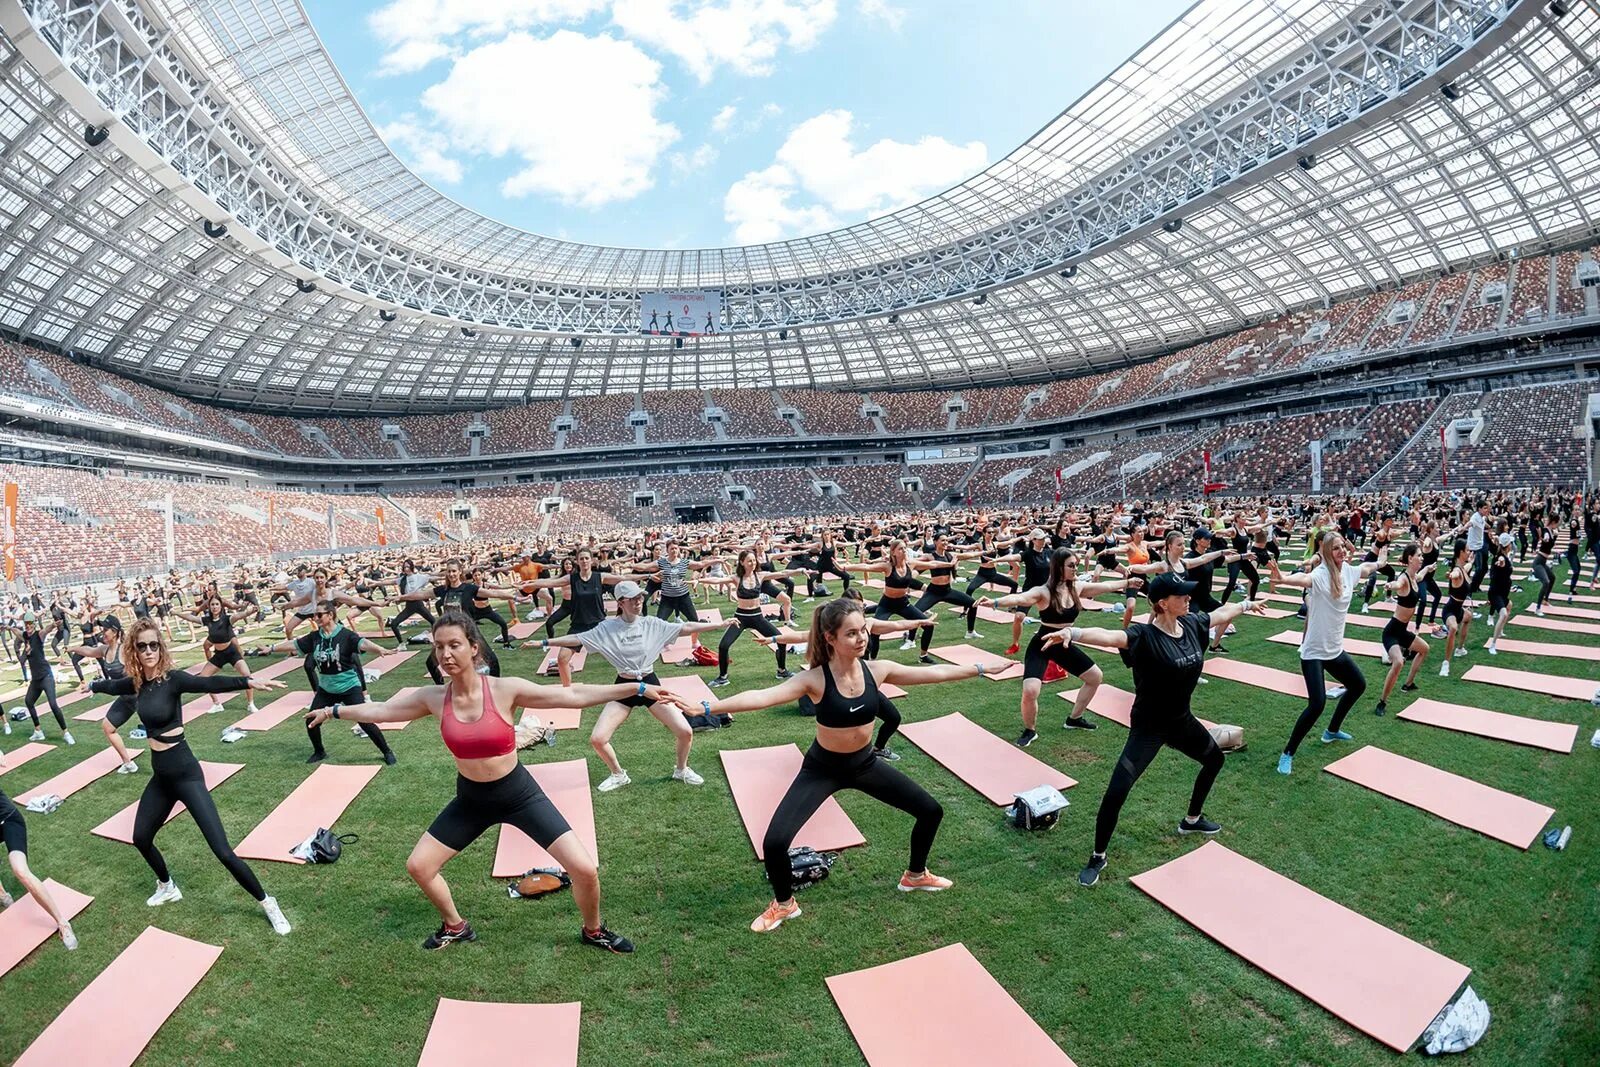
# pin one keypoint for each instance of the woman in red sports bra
(474, 714)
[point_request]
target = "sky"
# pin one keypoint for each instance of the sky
(703, 123)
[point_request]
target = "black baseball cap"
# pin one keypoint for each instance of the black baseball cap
(1164, 585)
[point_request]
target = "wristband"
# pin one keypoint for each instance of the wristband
(336, 711)
(544, 643)
(642, 687)
(705, 706)
(1077, 633)
(980, 669)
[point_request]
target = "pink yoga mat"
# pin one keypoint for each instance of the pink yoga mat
(290, 705)
(690, 687)
(941, 1007)
(1286, 682)
(97, 713)
(1312, 944)
(391, 660)
(579, 658)
(759, 777)
(1518, 729)
(1591, 614)
(278, 669)
(315, 803)
(1561, 626)
(25, 925)
(1555, 685)
(567, 786)
(521, 631)
(994, 615)
(1353, 645)
(470, 1033)
(78, 775)
(22, 754)
(1114, 704)
(199, 706)
(120, 826)
(1492, 812)
(996, 768)
(996, 667)
(107, 1027)
(1544, 648)
(890, 690)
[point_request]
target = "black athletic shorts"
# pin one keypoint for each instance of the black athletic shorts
(515, 800)
(637, 701)
(1397, 634)
(1070, 658)
(226, 656)
(12, 829)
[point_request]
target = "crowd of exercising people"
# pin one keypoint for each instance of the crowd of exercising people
(1171, 579)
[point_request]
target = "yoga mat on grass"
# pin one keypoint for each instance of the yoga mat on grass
(120, 826)
(690, 687)
(315, 803)
(23, 753)
(759, 777)
(278, 669)
(78, 775)
(197, 706)
(1518, 729)
(1554, 685)
(1546, 648)
(996, 768)
(579, 658)
(470, 1033)
(1314, 945)
(1590, 614)
(288, 706)
(567, 786)
(391, 660)
(1111, 703)
(1492, 812)
(939, 1007)
(994, 615)
(107, 1026)
(996, 667)
(25, 925)
(521, 631)
(1562, 626)
(1352, 645)
(1286, 682)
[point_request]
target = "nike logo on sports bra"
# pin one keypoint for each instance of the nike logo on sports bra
(857, 708)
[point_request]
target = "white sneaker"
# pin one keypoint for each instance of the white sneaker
(37, 735)
(973, 635)
(1230, 631)
(5, 898)
(1460, 652)
(1366, 609)
(5, 720)
(275, 915)
(1492, 650)
(66, 735)
(166, 893)
(68, 938)
(687, 776)
(615, 781)
(904, 645)
(251, 707)
(128, 768)
(1444, 669)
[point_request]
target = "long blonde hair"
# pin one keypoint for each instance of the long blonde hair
(130, 654)
(1335, 572)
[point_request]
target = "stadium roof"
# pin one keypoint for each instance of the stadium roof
(1164, 206)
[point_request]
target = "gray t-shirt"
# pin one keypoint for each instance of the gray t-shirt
(632, 648)
(674, 577)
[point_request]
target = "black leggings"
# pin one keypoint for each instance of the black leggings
(814, 578)
(1344, 669)
(1574, 565)
(1541, 574)
(44, 682)
(936, 594)
(822, 774)
(1252, 578)
(890, 606)
(748, 619)
(482, 615)
(412, 607)
(1184, 734)
(1432, 597)
(682, 605)
(13, 830)
(354, 696)
(550, 620)
(176, 778)
(1372, 580)
(990, 576)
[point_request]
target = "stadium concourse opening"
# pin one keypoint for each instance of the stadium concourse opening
(429, 639)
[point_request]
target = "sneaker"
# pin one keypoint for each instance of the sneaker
(1381, 708)
(128, 768)
(137, 734)
(775, 916)
(6, 899)
(1537, 611)
(316, 757)
(66, 735)
(1477, 614)
(1441, 632)
(444, 936)
(1460, 652)
(906, 646)
(1330, 736)
(973, 635)
(603, 938)
(782, 674)
(5, 720)
(37, 735)
(1231, 630)
(166, 893)
(687, 776)
(718, 682)
(390, 759)
(1285, 763)
(1366, 609)
(275, 915)
(1489, 647)
(1079, 722)
(1410, 687)
(886, 754)
(1444, 669)
(615, 781)
(1012, 651)
(926, 882)
(689, 662)
(1091, 871)
(925, 658)
(1219, 650)
(251, 707)
(68, 938)
(1026, 738)
(1202, 825)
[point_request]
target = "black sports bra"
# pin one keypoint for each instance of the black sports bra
(893, 579)
(1050, 615)
(748, 592)
(947, 571)
(837, 710)
(1408, 600)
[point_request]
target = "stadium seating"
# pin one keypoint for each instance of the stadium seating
(1420, 459)
(1530, 292)
(999, 406)
(1570, 297)
(1443, 304)
(751, 413)
(1386, 431)
(601, 420)
(913, 412)
(869, 487)
(521, 429)
(781, 491)
(1478, 317)
(828, 414)
(1527, 439)
(676, 415)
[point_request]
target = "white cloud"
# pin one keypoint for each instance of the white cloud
(724, 119)
(424, 148)
(819, 179)
(577, 111)
(745, 35)
(884, 12)
(686, 163)
(419, 32)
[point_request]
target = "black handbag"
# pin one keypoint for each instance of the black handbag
(324, 846)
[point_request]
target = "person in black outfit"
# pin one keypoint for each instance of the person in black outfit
(1166, 655)
(845, 689)
(14, 833)
(334, 654)
(748, 616)
(41, 678)
(158, 689)
(457, 595)
(106, 647)
(583, 598)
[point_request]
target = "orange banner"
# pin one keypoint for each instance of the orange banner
(439, 526)
(8, 529)
(272, 520)
(383, 538)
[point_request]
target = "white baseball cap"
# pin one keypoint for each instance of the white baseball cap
(627, 590)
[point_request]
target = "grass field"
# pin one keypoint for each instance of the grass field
(1115, 979)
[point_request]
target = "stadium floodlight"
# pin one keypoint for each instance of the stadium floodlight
(305, 286)
(1450, 91)
(1307, 161)
(1559, 8)
(894, 318)
(981, 299)
(468, 332)
(95, 136)
(1070, 272)
(216, 230)
(1172, 225)
(386, 315)
(576, 342)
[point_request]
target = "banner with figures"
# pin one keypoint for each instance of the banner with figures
(8, 528)
(681, 312)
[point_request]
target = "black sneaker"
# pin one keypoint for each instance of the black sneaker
(1091, 871)
(1079, 723)
(1218, 650)
(781, 675)
(316, 757)
(1410, 687)
(605, 939)
(444, 936)
(929, 660)
(717, 683)
(1202, 825)
(1026, 738)
(390, 758)
(1381, 708)
(888, 754)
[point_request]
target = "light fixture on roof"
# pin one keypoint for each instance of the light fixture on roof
(1172, 225)
(981, 299)
(216, 230)
(894, 318)
(677, 342)
(305, 286)
(468, 332)
(576, 342)
(783, 335)
(1307, 161)
(1450, 91)
(95, 136)
(1070, 272)
(1559, 8)
(386, 315)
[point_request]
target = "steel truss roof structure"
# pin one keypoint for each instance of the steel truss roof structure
(1257, 156)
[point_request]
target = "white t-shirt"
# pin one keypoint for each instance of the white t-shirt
(631, 648)
(1475, 527)
(1325, 615)
(300, 587)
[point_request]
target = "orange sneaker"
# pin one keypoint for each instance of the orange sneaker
(927, 881)
(1012, 651)
(775, 916)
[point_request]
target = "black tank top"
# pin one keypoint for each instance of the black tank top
(219, 629)
(1431, 557)
(588, 600)
(1459, 592)
(897, 580)
(1408, 600)
(1050, 615)
(748, 592)
(836, 710)
(945, 571)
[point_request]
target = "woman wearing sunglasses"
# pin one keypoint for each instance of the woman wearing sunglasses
(158, 689)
